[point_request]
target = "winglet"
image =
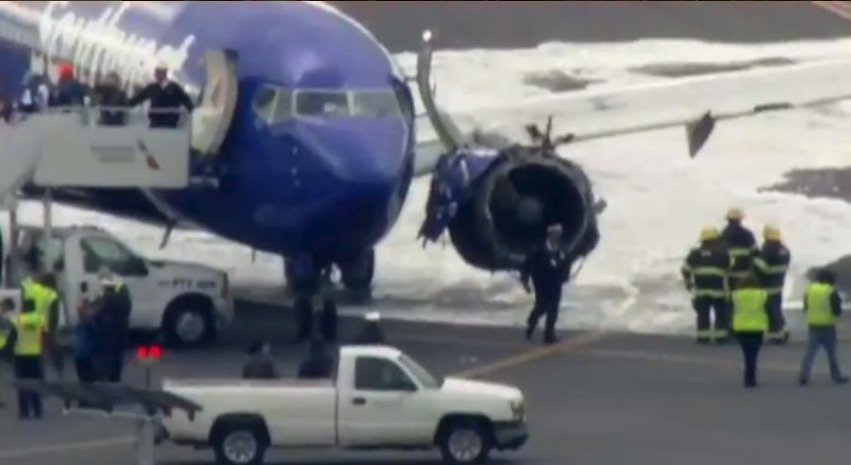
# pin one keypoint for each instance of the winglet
(698, 132)
(450, 142)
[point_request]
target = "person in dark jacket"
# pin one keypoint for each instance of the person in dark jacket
(69, 91)
(165, 97)
(822, 305)
(741, 245)
(303, 313)
(109, 94)
(328, 319)
(771, 265)
(371, 332)
(112, 320)
(549, 268)
(85, 344)
(705, 274)
(259, 364)
(318, 364)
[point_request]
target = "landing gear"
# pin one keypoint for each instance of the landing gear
(357, 277)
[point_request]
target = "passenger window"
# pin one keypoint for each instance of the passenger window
(378, 374)
(283, 106)
(322, 103)
(375, 104)
(264, 102)
(101, 251)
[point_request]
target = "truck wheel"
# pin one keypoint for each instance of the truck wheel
(239, 444)
(465, 442)
(188, 323)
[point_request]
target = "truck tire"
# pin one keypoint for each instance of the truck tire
(239, 443)
(465, 441)
(189, 322)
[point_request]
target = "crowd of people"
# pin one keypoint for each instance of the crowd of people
(100, 335)
(741, 286)
(165, 97)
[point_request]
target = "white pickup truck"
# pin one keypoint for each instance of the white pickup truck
(188, 302)
(378, 398)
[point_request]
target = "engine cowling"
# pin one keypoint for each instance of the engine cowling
(503, 213)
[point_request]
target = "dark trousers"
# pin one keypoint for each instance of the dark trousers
(751, 343)
(113, 366)
(328, 321)
(303, 312)
(29, 402)
(776, 322)
(85, 370)
(546, 303)
(704, 306)
(821, 337)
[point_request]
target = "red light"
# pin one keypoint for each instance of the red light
(155, 352)
(142, 353)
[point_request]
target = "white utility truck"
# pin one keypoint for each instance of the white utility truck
(377, 398)
(188, 302)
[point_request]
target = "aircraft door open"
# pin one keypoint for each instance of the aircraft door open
(213, 117)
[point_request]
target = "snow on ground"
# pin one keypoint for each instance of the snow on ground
(658, 198)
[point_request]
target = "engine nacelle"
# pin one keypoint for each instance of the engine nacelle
(501, 214)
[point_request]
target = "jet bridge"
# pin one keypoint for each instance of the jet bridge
(117, 401)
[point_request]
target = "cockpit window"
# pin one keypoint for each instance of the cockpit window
(264, 102)
(322, 103)
(283, 106)
(375, 104)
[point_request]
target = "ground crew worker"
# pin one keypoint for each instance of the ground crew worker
(328, 319)
(741, 245)
(549, 268)
(318, 364)
(705, 274)
(7, 308)
(259, 364)
(750, 321)
(822, 305)
(371, 332)
(26, 343)
(112, 320)
(771, 265)
(47, 305)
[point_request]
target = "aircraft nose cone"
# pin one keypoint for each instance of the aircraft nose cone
(358, 151)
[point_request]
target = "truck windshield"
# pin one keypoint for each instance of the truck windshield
(423, 376)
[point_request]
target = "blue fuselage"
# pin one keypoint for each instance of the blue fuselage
(320, 153)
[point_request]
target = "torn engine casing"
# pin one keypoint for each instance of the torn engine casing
(498, 206)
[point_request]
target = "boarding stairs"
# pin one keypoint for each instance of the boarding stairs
(70, 147)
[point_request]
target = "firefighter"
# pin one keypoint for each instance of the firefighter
(549, 268)
(705, 273)
(26, 343)
(112, 323)
(771, 266)
(741, 246)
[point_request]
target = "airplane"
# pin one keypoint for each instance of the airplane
(307, 135)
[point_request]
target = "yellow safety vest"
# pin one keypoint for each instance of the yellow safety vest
(819, 312)
(30, 328)
(42, 297)
(749, 310)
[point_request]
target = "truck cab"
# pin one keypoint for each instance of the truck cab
(187, 302)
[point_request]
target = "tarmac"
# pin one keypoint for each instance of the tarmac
(595, 398)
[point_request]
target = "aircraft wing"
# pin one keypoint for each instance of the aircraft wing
(694, 103)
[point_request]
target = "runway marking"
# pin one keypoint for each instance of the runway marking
(685, 359)
(66, 447)
(572, 344)
(842, 9)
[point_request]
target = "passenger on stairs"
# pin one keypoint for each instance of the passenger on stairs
(166, 97)
(69, 91)
(108, 93)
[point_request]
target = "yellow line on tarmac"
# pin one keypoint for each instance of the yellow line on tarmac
(569, 345)
(676, 358)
